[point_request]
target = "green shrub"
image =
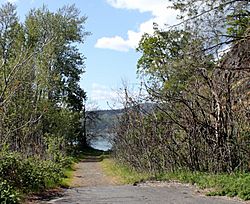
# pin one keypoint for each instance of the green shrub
(8, 194)
(10, 168)
(20, 175)
(38, 174)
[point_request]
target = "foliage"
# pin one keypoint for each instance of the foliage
(122, 173)
(39, 86)
(7, 193)
(67, 178)
(41, 101)
(198, 77)
(236, 184)
(20, 175)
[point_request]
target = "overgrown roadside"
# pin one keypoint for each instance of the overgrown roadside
(95, 172)
(83, 170)
(122, 173)
(100, 188)
(231, 185)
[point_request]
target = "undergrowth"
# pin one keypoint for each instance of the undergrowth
(123, 173)
(68, 176)
(235, 184)
(20, 176)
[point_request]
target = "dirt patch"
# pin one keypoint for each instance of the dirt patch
(44, 196)
(89, 173)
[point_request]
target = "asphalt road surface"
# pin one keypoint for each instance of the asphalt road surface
(142, 194)
(91, 185)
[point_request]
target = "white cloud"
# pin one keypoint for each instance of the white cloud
(105, 97)
(113, 43)
(161, 15)
(115, 98)
(101, 92)
(15, 1)
(12, 1)
(141, 5)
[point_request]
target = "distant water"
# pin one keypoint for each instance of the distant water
(101, 143)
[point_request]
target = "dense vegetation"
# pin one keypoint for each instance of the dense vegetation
(197, 73)
(41, 102)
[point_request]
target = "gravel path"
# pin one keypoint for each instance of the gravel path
(92, 186)
(138, 195)
(89, 173)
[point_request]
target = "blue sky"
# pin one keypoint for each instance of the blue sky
(116, 27)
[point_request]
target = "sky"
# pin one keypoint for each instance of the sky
(116, 27)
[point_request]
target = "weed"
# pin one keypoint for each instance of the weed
(123, 173)
(235, 184)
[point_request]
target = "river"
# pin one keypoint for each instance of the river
(101, 143)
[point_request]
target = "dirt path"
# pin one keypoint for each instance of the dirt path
(89, 173)
(91, 186)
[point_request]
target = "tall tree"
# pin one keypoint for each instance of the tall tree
(62, 63)
(40, 70)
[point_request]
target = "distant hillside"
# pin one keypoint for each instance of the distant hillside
(107, 119)
(109, 112)
(104, 120)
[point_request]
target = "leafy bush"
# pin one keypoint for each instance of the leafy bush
(8, 194)
(10, 168)
(40, 174)
(20, 175)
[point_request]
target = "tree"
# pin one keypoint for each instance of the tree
(40, 70)
(64, 63)
(192, 71)
(218, 22)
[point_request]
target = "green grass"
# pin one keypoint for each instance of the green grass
(236, 184)
(91, 152)
(68, 176)
(122, 173)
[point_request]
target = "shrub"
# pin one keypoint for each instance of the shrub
(20, 175)
(8, 194)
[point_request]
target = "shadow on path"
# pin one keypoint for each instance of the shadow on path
(92, 159)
